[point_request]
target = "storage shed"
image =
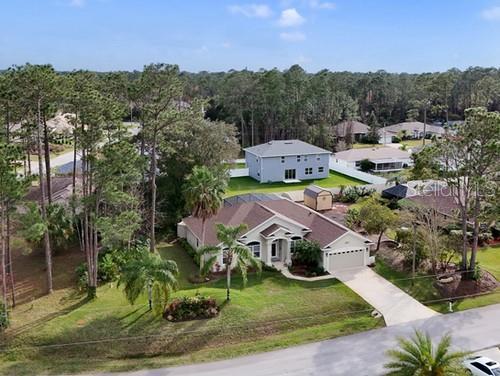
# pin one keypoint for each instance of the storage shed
(318, 198)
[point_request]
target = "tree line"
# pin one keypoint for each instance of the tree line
(273, 104)
(125, 185)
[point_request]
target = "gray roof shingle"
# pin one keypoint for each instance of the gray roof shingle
(279, 148)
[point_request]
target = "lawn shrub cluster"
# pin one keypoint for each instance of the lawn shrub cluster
(190, 250)
(305, 260)
(352, 194)
(191, 308)
(109, 266)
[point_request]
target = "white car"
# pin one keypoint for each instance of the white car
(482, 366)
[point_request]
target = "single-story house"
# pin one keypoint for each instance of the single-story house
(62, 189)
(318, 198)
(384, 159)
(441, 200)
(415, 129)
(350, 128)
(274, 226)
(287, 160)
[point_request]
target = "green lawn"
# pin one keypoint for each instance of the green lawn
(238, 186)
(423, 290)
(271, 312)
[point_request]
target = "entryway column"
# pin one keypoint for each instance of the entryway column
(288, 252)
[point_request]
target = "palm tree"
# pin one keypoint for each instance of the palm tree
(232, 251)
(204, 192)
(418, 356)
(149, 272)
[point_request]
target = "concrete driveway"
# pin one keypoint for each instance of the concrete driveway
(393, 303)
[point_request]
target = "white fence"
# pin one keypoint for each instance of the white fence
(238, 172)
(352, 172)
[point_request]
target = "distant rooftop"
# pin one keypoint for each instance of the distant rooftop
(278, 148)
(350, 126)
(353, 155)
(415, 126)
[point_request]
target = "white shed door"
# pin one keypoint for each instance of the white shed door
(346, 260)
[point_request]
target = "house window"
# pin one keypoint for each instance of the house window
(298, 158)
(321, 169)
(358, 163)
(254, 248)
(305, 158)
(282, 159)
(318, 158)
(290, 174)
(308, 170)
(293, 243)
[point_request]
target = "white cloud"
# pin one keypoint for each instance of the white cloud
(252, 10)
(77, 3)
(290, 17)
(226, 45)
(295, 36)
(491, 14)
(317, 4)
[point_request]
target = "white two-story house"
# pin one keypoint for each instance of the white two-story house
(287, 160)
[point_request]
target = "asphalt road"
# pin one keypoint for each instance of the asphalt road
(358, 354)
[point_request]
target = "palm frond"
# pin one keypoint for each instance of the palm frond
(207, 266)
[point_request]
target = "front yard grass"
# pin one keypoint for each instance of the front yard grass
(270, 313)
(424, 291)
(238, 186)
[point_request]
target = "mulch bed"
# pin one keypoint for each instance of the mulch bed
(303, 271)
(461, 287)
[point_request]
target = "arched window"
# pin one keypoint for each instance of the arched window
(254, 248)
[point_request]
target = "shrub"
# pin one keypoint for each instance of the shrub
(109, 266)
(190, 250)
(396, 140)
(191, 308)
(366, 165)
(307, 253)
(353, 194)
(352, 219)
(4, 317)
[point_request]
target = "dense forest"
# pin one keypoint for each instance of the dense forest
(272, 104)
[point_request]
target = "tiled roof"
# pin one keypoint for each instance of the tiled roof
(321, 229)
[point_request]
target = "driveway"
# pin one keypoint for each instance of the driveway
(358, 354)
(393, 303)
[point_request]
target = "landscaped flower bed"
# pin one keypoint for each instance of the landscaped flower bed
(191, 308)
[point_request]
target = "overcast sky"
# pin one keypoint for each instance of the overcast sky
(215, 35)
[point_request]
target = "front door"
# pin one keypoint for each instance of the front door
(290, 174)
(274, 251)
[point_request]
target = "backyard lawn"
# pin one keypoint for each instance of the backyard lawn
(423, 289)
(271, 312)
(238, 186)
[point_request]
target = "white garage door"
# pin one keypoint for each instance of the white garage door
(346, 259)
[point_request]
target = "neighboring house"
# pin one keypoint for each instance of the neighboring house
(383, 159)
(415, 129)
(274, 226)
(318, 198)
(62, 189)
(351, 130)
(441, 200)
(287, 160)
